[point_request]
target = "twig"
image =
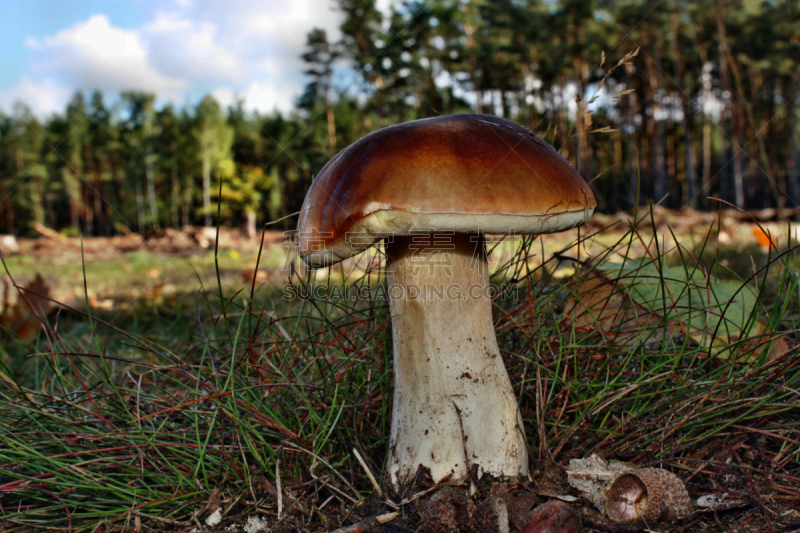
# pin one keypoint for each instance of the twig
(340, 492)
(369, 473)
(368, 525)
(543, 449)
(324, 462)
(228, 510)
(386, 518)
(285, 334)
(271, 222)
(278, 487)
(162, 520)
(197, 522)
(756, 494)
(326, 502)
(450, 482)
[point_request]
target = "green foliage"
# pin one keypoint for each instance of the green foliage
(711, 75)
(240, 189)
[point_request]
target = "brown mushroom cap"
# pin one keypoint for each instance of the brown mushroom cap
(465, 173)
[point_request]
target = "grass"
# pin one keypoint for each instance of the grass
(225, 395)
(132, 275)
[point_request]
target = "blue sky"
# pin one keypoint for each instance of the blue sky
(177, 49)
(39, 18)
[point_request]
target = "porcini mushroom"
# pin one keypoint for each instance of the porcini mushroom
(432, 188)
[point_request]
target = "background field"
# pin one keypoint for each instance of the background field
(181, 392)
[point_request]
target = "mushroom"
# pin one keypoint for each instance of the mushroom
(432, 188)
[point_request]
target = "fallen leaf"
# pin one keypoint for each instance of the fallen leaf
(598, 303)
(593, 475)
(214, 500)
(255, 525)
(719, 502)
(763, 238)
(214, 518)
(604, 303)
(24, 319)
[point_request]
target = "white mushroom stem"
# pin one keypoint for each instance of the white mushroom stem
(453, 402)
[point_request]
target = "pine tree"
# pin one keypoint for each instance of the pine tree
(320, 55)
(214, 137)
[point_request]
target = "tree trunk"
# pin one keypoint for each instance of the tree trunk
(207, 190)
(250, 224)
(688, 138)
(793, 175)
(706, 179)
(583, 122)
(738, 152)
(673, 179)
(656, 126)
(331, 119)
(98, 205)
(74, 207)
(174, 199)
(617, 185)
(8, 209)
(53, 221)
(726, 179)
(188, 195)
(140, 207)
(151, 186)
(39, 205)
(633, 139)
(731, 142)
(563, 124)
(473, 61)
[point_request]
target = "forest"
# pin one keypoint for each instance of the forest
(682, 103)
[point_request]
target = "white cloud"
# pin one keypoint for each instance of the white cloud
(190, 50)
(266, 97)
(250, 48)
(258, 96)
(96, 55)
(43, 97)
(385, 5)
